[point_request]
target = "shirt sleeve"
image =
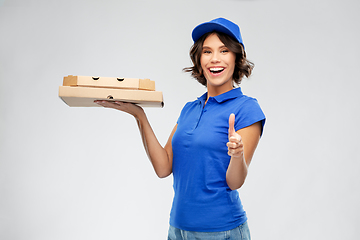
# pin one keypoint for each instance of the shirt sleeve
(182, 113)
(249, 112)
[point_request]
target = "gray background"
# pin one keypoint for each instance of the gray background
(82, 173)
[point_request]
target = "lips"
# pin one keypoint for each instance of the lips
(216, 70)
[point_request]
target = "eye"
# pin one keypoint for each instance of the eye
(206, 52)
(224, 51)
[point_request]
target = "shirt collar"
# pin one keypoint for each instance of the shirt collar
(234, 93)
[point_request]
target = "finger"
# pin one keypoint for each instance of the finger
(108, 104)
(235, 148)
(232, 145)
(235, 152)
(235, 138)
(231, 125)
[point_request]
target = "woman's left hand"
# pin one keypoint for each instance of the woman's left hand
(235, 145)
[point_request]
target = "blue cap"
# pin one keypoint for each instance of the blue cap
(219, 24)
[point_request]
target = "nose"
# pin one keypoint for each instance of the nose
(215, 58)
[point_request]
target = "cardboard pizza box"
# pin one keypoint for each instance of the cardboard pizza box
(85, 96)
(82, 91)
(109, 82)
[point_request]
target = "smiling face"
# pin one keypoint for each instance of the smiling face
(218, 64)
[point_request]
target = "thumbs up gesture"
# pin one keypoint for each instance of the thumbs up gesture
(235, 145)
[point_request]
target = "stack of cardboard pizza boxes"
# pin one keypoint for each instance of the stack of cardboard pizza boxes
(82, 91)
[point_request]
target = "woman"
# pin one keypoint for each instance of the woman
(211, 146)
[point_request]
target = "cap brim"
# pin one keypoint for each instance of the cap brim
(209, 27)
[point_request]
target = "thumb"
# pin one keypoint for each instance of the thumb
(231, 125)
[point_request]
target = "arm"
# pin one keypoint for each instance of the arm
(241, 146)
(160, 157)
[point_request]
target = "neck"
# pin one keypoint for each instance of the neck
(214, 91)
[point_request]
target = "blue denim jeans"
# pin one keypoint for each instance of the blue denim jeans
(240, 233)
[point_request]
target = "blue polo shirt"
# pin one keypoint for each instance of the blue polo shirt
(203, 201)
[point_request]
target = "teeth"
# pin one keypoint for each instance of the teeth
(216, 69)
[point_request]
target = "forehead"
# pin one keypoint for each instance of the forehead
(213, 41)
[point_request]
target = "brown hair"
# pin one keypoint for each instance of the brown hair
(243, 67)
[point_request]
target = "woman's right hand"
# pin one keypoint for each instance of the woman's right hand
(130, 108)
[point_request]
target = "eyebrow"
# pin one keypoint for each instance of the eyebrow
(211, 48)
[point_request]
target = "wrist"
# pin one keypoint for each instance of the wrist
(237, 156)
(140, 115)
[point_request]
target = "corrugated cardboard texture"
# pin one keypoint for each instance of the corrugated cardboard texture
(109, 82)
(85, 96)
